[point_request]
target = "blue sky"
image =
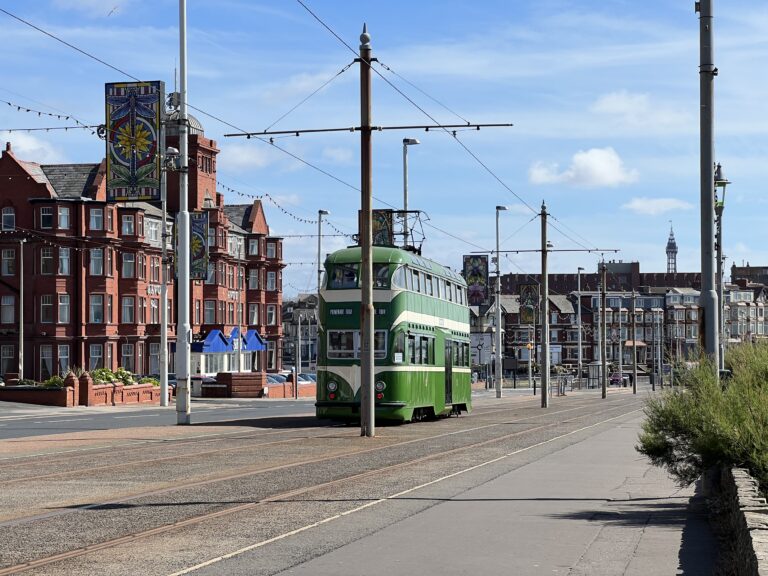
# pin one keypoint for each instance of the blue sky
(604, 98)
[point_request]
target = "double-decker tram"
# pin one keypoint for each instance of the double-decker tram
(421, 338)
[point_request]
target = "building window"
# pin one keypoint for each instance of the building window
(253, 279)
(63, 354)
(46, 260)
(96, 308)
(63, 217)
(231, 313)
(128, 304)
(95, 356)
(7, 309)
(220, 316)
(209, 316)
(129, 265)
(142, 316)
(198, 312)
(154, 357)
(63, 308)
(9, 218)
(271, 356)
(140, 226)
(63, 261)
(141, 269)
(211, 237)
(128, 228)
(7, 357)
(96, 221)
(153, 230)
(154, 311)
(253, 247)
(46, 217)
(240, 309)
(46, 361)
(271, 250)
(271, 281)
(126, 360)
(211, 276)
(46, 308)
(9, 262)
(154, 269)
(253, 314)
(271, 314)
(97, 262)
(139, 358)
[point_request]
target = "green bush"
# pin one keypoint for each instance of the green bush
(102, 375)
(27, 382)
(124, 376)
(704, 423)
(53, 382)
(148, 380)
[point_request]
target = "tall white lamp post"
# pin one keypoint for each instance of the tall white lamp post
(720, 182)
(579, 270)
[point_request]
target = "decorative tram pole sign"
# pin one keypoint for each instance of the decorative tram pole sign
(366, 129)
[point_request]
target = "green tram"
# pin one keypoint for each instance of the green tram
(421, 338)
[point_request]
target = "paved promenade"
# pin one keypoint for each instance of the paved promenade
(596, 507)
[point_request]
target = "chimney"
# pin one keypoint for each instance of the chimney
(7, 146)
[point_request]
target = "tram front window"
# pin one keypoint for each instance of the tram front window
(341, 344)
(343, 276)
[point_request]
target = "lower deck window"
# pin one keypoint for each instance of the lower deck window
(346, 344)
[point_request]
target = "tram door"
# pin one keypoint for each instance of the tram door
(449, 371)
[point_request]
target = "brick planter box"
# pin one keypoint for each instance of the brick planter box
(63, 397)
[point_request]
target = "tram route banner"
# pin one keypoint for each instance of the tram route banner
(476, 275)
(529, 301)
(134, 112)
(198, 245)
(382, 228)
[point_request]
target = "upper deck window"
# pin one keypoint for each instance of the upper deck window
(343, 276)
(381, 275)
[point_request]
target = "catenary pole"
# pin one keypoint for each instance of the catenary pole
(634, 344)
(21, 309)
(163, 275)
(367, 408)
(183, 333)
(578, 320)
(707, 73)
(544, 311)
(603, 318)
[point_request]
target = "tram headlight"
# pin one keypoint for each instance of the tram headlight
(380, 385)
(331, 386)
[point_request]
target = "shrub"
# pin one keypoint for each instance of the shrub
(124, 376)
(102, 375)
(53, 382)
(27, 382)
(705, 423)
(148, 380)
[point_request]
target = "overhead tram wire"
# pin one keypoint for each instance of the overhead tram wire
(264, 140)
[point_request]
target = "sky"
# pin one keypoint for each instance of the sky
(603, 97)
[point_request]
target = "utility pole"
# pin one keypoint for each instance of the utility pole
(603, 352)
(653, 350)
(367, 409)
(297, 357)
(544, 311)
(707, 73)
(578, 318)
(634, 344)
(163, 273)
(498, 376)
(621, 348)
(184, 329)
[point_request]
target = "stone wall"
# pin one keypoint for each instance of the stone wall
(63, 397)
(746, 514)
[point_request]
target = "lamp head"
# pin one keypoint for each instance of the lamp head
(410, 141)
(323, 213)
(499, 208)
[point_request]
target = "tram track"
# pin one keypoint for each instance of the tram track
(624, 408)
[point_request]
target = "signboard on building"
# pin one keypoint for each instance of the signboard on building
(476, 275)
(529, 301)
(134, 112)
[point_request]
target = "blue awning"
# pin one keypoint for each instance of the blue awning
(253, 341)
(215, 342)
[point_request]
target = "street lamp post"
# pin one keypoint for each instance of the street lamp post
(498, 370)
(579, 270)
(320, 214)
(720, 182)
(544, 310)
(21, 309)
(406, 142)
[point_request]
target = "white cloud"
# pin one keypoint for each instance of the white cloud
(655, 206)
(338, 155)
(242, 157)
(594, 168)
(639, 112)
(27, 147)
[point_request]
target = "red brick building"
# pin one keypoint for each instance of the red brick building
(88, 273)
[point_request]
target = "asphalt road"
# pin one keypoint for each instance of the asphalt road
(25, 420)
